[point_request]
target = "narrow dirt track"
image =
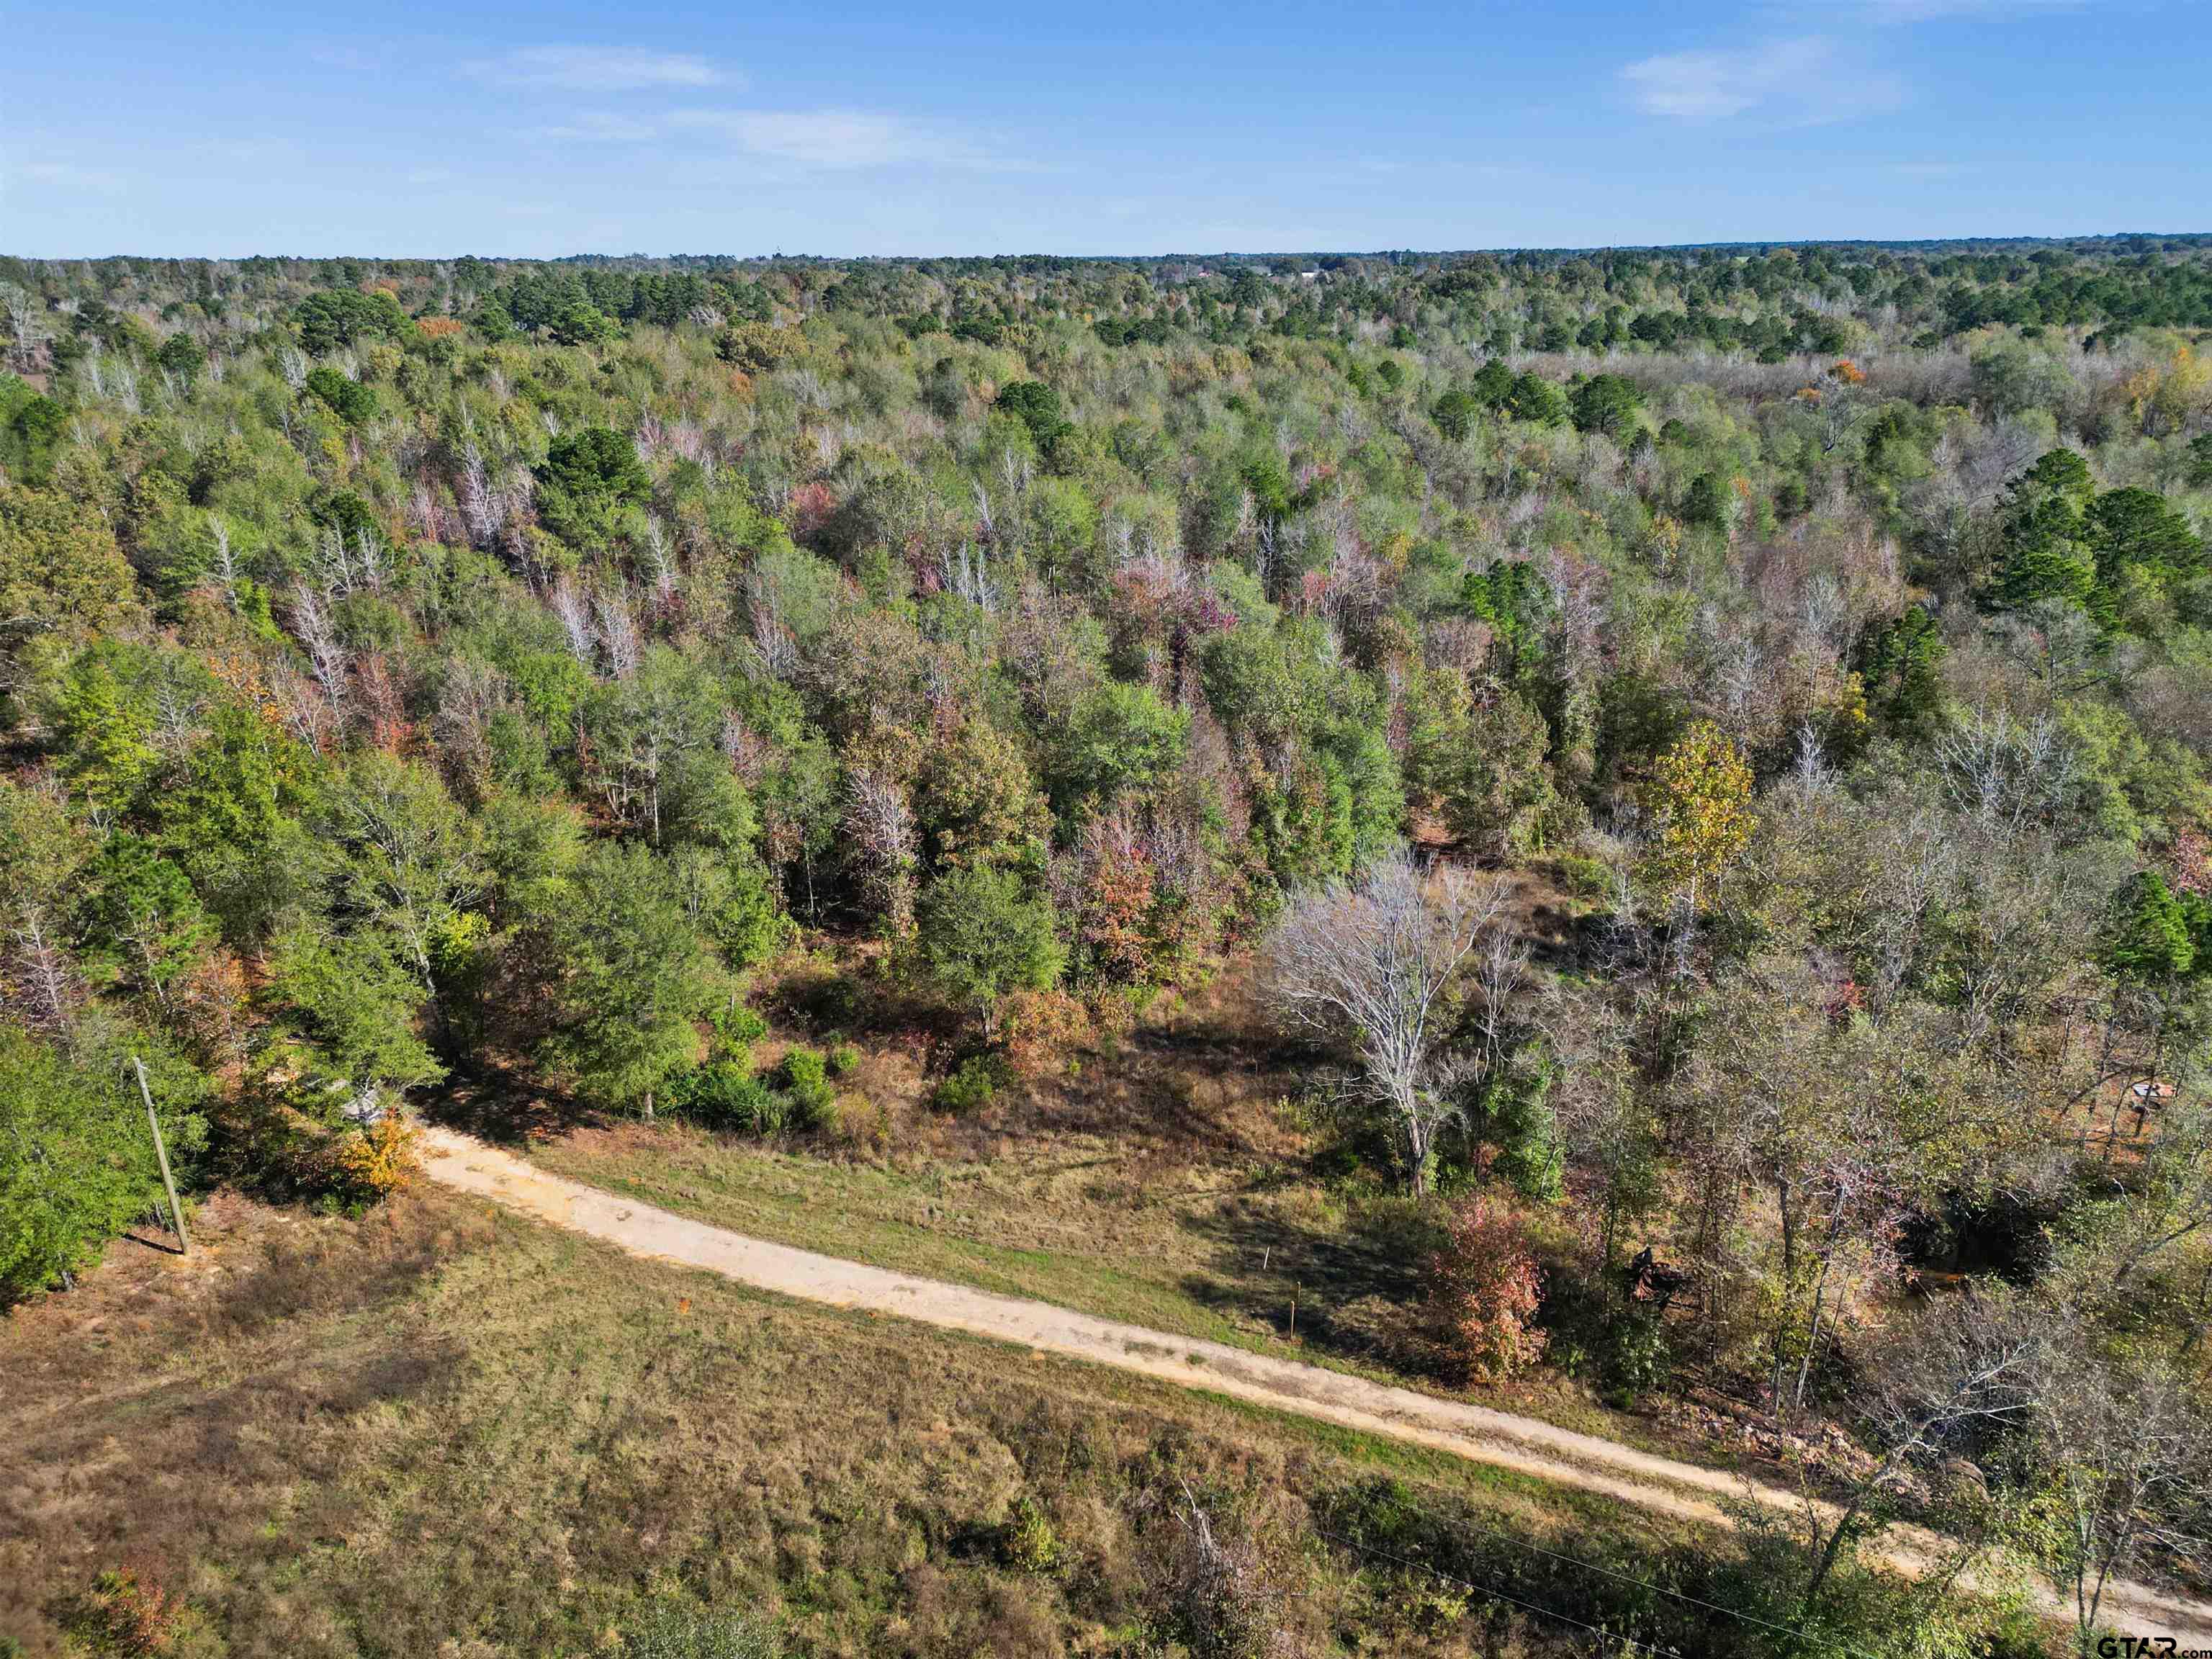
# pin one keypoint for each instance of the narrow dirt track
(1476, 1432)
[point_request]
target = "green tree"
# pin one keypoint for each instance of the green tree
(355, 1003)
(2151, 938)
(980, 935)
(1902, 666)
(32, 427)
(1535, 400)
(592, 486)
(76, 1164)
(233, 815)
(61, 572)
(182, 355)
(337, 316)
(349, 399)
(103, 720)
(631, 977)
(1493, 384)
(2198, 472)
(1610, 404)
(1698, 797)
(2140, 529)
(1118, 738)
(141, 908)
(1453, 414)
(975, 799)
(582, 324)
(407, 857)
(2047, 552)
(1481, 768)
(1036, 406)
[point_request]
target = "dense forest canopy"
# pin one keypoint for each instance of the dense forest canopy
(422, 670)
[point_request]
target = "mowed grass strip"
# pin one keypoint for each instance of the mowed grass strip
(1264, 1259)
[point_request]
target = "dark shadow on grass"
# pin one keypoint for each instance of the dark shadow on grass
(496, 1108)
(154, 1238)
(1144, 1088)
(1346, 1288)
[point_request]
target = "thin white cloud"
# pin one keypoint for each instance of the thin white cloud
(597, 127)
(598, 69)
(1801, 82)
(1922, 11)
(67, 177)
(842, 140)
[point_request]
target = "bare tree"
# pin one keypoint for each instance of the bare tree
(224, 565)
(470, 695)
(44, 982)
(966, 574)
(2166, 1204)
(575, 617)
(1951, 1378)
(21, 310)
(1605, 1127)
(660, 554)
(618, 635)
(881, 826)
(327, 653)
(306, 711)
(1844, 1125)
(1215, 1581)
(412, 863)
(482, 507)
(2006, 773)
(370, 557)
(1371, 960)
(2124, 1453)
(1501, 969)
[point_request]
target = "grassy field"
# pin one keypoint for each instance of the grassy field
(1177, 1175)
(442, 1432)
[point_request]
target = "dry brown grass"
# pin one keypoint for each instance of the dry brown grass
(442, 1430)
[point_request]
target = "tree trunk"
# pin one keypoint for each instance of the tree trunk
(1820, 1296)
(1782, 1188)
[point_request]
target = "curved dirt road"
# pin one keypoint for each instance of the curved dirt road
(1499, 1438)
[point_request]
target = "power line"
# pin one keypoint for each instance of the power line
(1503, 1595)
(1656, 1589)
(1572, 1560)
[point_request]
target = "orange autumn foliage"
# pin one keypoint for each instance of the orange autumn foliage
(381, 1159)
(1483, 1289)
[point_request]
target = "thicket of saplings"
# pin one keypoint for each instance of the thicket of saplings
(421, 672)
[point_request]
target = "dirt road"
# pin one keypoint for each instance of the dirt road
(1498, 1438)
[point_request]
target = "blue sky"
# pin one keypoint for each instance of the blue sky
(1128, 128)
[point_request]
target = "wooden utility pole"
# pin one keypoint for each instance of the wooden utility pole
(160, 1151)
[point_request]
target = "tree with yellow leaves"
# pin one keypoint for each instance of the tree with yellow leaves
(1698, 799)
(2162, 397)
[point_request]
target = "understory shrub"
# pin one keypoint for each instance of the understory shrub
(725, 1096)
(1483, 1289)
(807, 1087)
(970, 1087)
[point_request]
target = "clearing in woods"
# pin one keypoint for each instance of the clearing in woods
(1523, 1444)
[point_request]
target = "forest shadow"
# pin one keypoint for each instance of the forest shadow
(1342, 1293)
(493, 1108)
